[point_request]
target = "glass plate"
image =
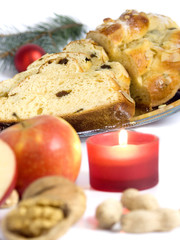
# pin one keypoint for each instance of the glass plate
(155, 115)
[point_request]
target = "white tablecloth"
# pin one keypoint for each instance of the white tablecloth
(91, 13)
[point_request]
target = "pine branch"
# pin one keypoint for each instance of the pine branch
(52, 36)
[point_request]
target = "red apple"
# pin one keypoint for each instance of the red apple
(44, 146)
(7, 171)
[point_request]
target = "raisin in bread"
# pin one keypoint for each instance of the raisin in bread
(148, 46)
(87, 100)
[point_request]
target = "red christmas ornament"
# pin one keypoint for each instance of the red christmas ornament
(27, 54)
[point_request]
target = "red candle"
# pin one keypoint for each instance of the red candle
(117, 166)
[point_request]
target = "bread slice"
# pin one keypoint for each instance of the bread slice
(62, 64)
(42, 60)
(94, 52)
(7, 85)
(88, 100)
(78, 62)
(81, 57)
(147, 45)
(81, 62)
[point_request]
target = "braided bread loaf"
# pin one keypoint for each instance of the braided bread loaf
(148, 46)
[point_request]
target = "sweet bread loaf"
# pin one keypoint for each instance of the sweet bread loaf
(88, 94)
(148, 46)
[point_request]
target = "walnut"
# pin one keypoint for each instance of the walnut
(35, 218)
(49, 207)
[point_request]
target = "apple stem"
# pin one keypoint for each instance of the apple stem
(18, 118)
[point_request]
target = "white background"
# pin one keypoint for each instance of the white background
(91, 13)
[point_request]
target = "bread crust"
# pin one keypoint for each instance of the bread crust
(113, 115)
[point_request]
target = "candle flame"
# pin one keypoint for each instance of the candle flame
(123, 137)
